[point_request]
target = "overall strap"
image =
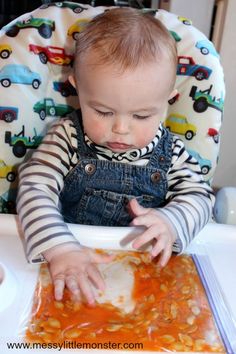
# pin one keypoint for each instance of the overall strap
(162, 153)
(83, 149)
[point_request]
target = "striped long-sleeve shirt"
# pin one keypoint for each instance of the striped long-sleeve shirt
(41, 179)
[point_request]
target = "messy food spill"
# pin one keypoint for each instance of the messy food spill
(165, 309)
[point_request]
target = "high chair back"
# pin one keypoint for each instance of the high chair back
(36, 56)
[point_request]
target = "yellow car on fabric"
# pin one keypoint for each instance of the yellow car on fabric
(7, 172)
(179, 124)
(185, 20)
(5, 51)
(77, 27)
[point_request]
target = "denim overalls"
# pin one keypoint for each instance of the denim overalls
(96, 192)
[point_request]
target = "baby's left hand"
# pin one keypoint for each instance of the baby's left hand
(158, 229)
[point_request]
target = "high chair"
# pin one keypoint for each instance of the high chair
(36, 56)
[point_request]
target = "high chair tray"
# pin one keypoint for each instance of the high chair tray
(218, 240)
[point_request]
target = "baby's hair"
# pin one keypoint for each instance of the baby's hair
(126, 37)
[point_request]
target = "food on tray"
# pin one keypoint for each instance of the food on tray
(165, 309)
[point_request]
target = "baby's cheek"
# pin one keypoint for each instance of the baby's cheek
(97, 132)
(144, 136)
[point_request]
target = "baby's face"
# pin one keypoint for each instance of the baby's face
(122, 110)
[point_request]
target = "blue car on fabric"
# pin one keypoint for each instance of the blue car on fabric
(19, 74)
(205, 164)
(187, 67)
(207, 47)
(65, 88)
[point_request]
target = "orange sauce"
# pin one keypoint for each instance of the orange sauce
(171, 312)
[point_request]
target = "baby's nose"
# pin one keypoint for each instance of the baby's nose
(120, 126)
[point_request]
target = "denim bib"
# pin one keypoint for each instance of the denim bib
(96, 192)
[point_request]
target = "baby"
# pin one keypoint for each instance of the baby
(112, 162)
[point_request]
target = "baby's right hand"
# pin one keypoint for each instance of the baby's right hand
(76, 269)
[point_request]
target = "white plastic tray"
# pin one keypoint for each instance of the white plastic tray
(220, 241)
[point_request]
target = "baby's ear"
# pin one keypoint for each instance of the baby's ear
(173, 94)
(72, 81)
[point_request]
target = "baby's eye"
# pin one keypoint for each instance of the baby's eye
(103, 114)
(137, 116)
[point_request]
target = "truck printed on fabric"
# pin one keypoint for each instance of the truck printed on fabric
(65, 88)
(20, 142)
(76, 8)
(47, 107)
(8, 114)
(203, 99)
(187, 67)
(44, 26)
(175, 35)
(55, 55)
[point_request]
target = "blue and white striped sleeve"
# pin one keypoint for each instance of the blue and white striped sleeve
(189, 199)
(41, 179)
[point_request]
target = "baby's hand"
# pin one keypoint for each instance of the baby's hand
(75, 268)
(158, 229)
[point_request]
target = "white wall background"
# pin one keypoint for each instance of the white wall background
(200, 12)
(226, 170)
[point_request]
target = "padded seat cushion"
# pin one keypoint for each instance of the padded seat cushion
(36, 56)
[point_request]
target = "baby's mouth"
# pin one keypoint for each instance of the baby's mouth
(119, 146)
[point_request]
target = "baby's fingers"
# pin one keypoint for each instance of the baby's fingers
(59, 285)
(72, 285)
(86, 289)
(147, 220)
(96, 278)
(164, 249)
(146, 236)
(165, 256)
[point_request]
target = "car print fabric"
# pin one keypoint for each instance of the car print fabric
(36, 57)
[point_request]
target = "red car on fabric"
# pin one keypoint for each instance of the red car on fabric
(8, 114)
(55, 55)
(212, 132)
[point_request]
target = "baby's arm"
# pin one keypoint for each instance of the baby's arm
(41, 180)
(46, 234)
(188, 209)
(190, 199)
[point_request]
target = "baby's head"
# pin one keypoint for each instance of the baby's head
(125, 38)
(124, 71)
